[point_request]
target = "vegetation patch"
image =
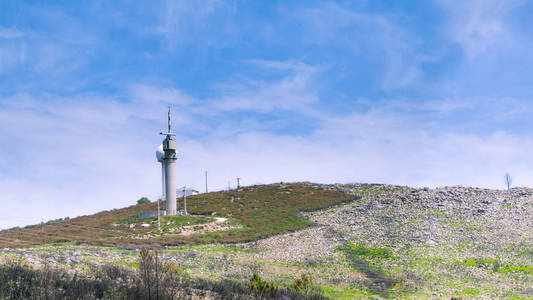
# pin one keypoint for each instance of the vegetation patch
(334, 292)
(468, 291)
(300, 288)
(168, 221)
(506, 206)
(365, 251)
(261, 287)
(367, 261)
(479, 262)
(515, 269)
(496, 266)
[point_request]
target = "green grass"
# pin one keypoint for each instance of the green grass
(516, 269)
(128, 264)
(262, 211)
(370, 262)
(175, 221)
(468, 291)
(513, 296)
(334, 292)
(372, 252)
(506, 206)
(479, 262)
(496, 267)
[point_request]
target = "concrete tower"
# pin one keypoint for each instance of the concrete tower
(169, 168)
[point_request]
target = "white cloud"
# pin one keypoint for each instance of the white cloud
(368, 35)
(206, 23)
(292, 92)
(478, 25)
(11, 55)
(159, 95)
(78, 157)
(10, 33)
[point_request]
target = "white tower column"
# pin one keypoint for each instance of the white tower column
(170, 183)
(163, 191)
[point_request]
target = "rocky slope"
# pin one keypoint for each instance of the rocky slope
(444, 241)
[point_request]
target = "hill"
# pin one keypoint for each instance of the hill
(249, 213)
(375, 241)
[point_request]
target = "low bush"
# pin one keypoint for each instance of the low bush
(303, 284)
(301, 289)
(143, 200)
(261, 287)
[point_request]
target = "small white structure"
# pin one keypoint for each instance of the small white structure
(187, 193)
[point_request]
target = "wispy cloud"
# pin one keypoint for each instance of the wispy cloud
(392, 46)
(204, 23)
(292, 90)
(159, 95)
(479, 25)
(10, 33)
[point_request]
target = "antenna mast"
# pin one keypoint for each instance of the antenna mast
(169, 134)
(158, 217)
(206, 182)
(185, 201)
(169, 119)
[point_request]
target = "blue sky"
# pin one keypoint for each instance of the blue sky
(419, 93)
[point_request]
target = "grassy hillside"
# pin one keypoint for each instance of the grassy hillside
(254, 212)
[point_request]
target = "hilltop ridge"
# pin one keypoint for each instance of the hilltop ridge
(252, 212)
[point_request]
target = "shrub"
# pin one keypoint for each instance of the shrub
(143, 200)
(261, 287)
(303, 284)
(20, 281)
